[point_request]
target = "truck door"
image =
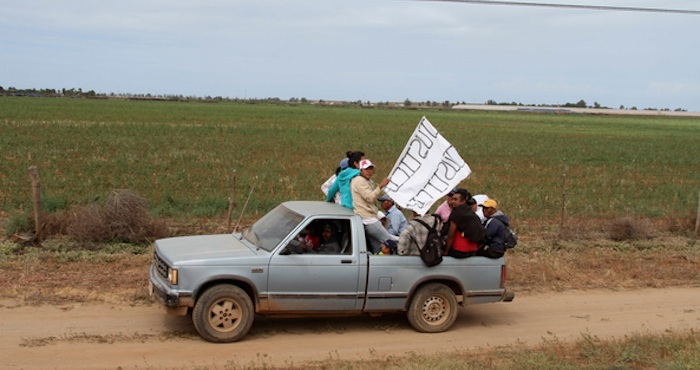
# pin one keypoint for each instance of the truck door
(322, 279)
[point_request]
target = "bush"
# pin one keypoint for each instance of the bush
(87, 223)
(19, 223)
(124, 217)
(627, 228)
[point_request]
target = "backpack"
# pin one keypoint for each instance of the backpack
(431, 253)
(511, 239)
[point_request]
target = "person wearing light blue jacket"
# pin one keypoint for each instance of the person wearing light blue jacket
(342, 182)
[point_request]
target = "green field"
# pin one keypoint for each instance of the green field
(180, 156)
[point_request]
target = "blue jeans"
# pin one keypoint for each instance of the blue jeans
(376, 235)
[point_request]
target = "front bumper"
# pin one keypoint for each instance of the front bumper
(166, 295)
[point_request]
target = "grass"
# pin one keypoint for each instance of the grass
(180, 156)
(674, 349)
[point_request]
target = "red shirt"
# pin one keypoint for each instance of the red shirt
(312, 241)
(462, 244)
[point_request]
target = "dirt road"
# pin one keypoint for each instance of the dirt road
(99, 336)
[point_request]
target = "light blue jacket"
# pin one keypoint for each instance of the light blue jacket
(342, 185)
(397, 219)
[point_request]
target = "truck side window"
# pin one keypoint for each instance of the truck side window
(323, 236)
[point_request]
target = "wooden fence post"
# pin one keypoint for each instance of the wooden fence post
(231, 200)
(563, 206)
(697, 218)
(36, 197)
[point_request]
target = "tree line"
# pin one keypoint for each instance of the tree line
(79, 93)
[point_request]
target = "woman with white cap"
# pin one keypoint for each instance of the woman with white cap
(364, 195)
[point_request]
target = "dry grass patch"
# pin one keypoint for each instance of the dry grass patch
(46, 276)
(538, 265)
(627, 228)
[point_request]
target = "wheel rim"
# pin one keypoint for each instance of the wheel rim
(225, 315)
(435, 310)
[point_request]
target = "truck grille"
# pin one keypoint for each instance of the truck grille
(161, 266)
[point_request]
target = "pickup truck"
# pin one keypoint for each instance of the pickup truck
(223, 281)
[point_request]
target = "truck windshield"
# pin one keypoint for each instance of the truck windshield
(269, 231)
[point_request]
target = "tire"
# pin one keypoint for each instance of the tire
(433, 308)
(223, 314)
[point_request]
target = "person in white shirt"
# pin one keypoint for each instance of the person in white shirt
(364, 195)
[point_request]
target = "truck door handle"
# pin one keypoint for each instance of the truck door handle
(345, 261)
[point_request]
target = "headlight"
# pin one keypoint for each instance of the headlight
(172, 276)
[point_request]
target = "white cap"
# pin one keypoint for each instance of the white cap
(366, 163)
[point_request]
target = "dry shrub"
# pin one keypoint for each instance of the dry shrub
(124, 217)
(158, 229)
(627, 228)
(679, 225)
(55, 223)
(87, 223)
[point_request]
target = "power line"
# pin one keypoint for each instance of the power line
(572, 6)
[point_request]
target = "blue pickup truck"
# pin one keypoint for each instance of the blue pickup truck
(225, 280)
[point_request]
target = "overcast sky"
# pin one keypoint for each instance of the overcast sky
(379, 50)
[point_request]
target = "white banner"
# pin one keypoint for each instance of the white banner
(428, 168)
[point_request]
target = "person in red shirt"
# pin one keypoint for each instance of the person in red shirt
(466, 233)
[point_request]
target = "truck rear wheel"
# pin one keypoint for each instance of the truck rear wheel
(433, 308)
(224, 313)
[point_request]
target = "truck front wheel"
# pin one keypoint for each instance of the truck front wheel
(224, 313)
(433, 308)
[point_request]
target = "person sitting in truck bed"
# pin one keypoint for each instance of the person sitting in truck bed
(496, 221)
(480, 199)
(397, 221)
(342, 182)
(327, 185)
(444, 209)
(466, 233)
(364, 195)
(414, 236)
(388, 247)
